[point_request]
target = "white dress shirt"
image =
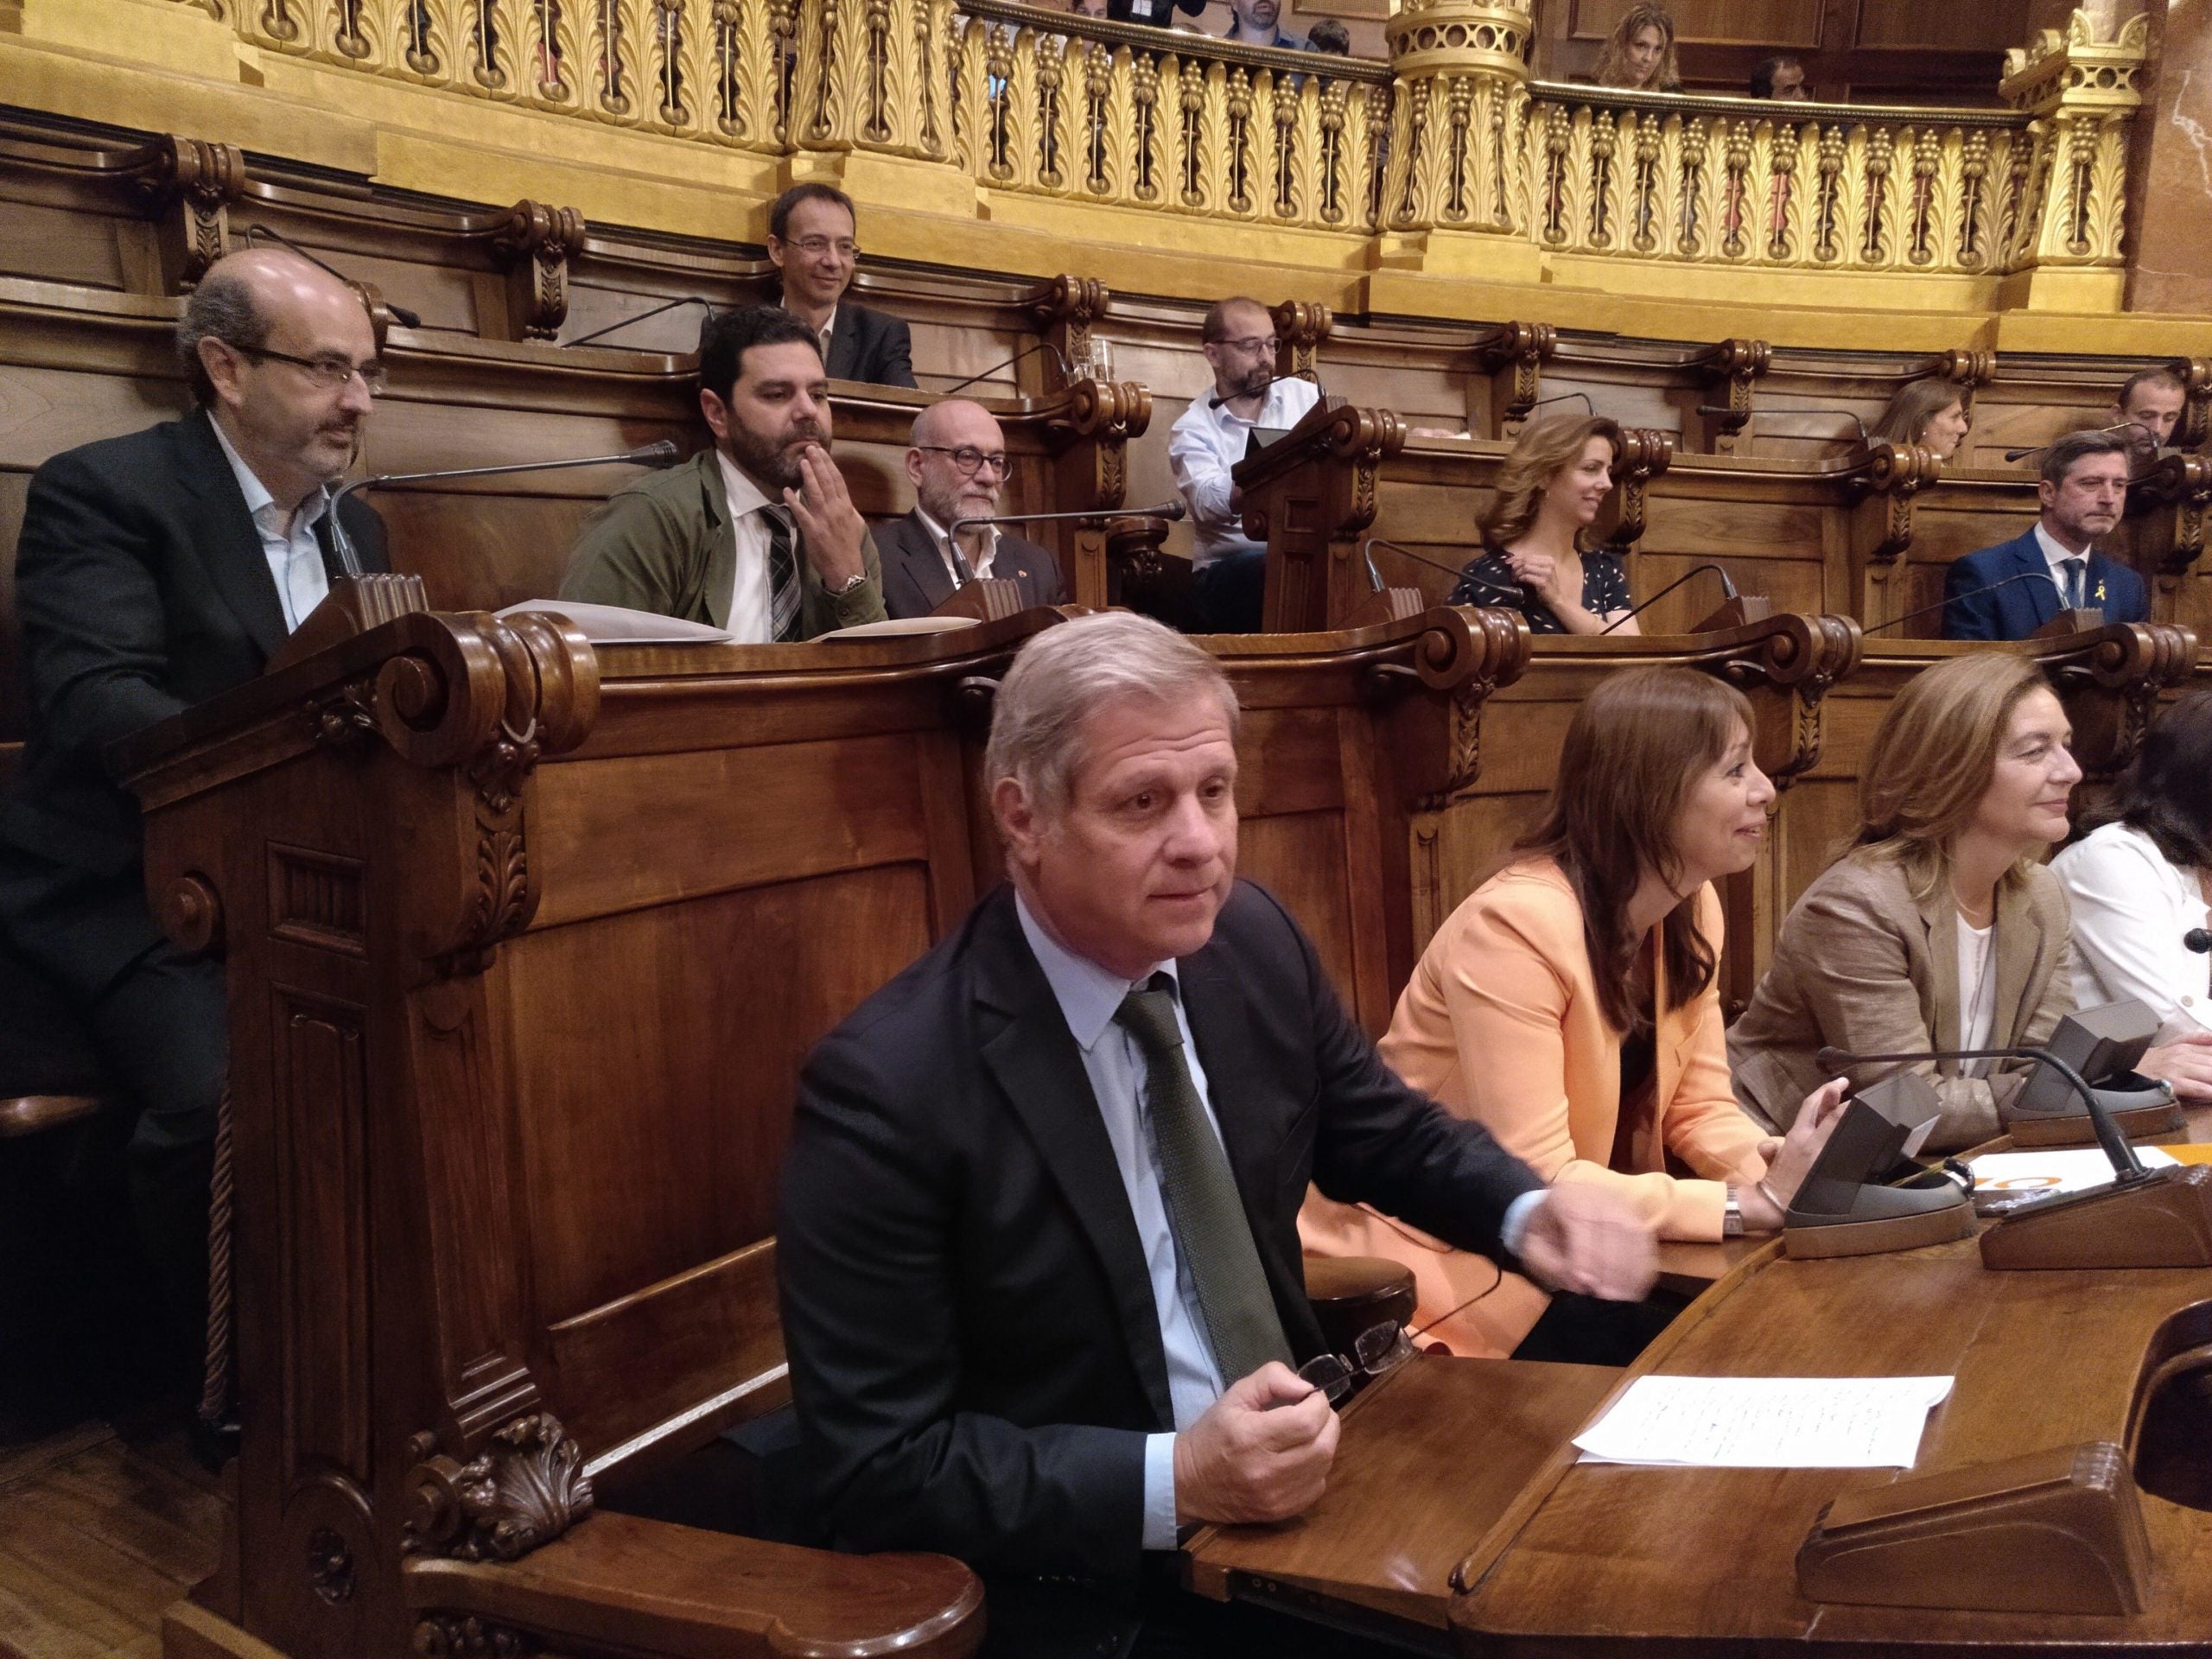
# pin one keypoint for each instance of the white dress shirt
(1205, 442)
(1089, 997)
(1977, 991)
(750, 621)
(2130, 906)
(2055, 554)
(976, 567)
(294, 555)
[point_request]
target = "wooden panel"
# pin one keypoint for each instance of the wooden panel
(1753, 23)
(58, 246)
(704, 1010)
(1299, 858)
(1990, 25)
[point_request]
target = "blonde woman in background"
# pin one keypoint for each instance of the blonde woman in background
(1930, 413)
(1638, 56)
(1549, 492)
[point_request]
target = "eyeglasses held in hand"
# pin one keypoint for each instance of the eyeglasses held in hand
(325, 373)
(968, 459)
(1380, 1350)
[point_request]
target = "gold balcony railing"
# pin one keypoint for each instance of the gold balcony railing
(1449, 139)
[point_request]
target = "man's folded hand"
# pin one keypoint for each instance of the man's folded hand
(1587, 1240)
(1261, 1452)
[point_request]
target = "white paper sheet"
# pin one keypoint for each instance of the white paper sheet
(1766, 1422)
(2069, 1170)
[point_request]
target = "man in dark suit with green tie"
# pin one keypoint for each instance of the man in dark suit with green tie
(152, 572)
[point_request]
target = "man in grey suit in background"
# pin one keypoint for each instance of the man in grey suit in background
(813, 239)
(957, 464)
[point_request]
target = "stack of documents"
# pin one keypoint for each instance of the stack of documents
(1766, 1422)
(2047, 1174)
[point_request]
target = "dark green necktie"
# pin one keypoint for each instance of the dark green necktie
(1202, 1208)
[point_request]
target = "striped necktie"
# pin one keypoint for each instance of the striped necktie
(783, 578)
(2075, 569)
(1212, 1236)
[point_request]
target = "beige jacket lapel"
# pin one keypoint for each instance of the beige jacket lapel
(2018, 947)
(1939, 916)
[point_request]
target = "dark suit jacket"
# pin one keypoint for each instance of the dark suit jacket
(975, 1352)
(1161, 12)
(915, 581)
(142, 589)
(867, 345)
(2018, 609)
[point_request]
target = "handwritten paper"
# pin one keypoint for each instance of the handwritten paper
(1766, 1422)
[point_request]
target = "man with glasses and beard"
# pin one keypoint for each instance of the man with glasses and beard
(757, 535)
(154, 571)
(958, 465)
(1210, 437)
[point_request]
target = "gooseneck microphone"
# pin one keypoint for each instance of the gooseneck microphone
(1588, 408)
(400, 314)
(2117, 426)
(1067, 370)
(1727, 592)
(663, 453)
(1312, 380)
(1970, 593)
(1513, 592)
(616, 327)
(2126, 1167)
(1762, 413)
(1170, 510)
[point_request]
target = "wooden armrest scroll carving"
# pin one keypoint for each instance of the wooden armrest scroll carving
(617, 1585)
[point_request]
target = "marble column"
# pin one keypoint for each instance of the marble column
(2170, 166)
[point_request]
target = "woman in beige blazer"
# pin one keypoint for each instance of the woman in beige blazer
(1571, 1005)
(1938, 927)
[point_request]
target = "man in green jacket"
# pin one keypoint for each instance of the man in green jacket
(756, 534)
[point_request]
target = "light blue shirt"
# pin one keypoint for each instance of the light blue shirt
(288, 540)
(1089, 997)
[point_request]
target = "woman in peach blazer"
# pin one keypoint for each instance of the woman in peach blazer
(1589, 962)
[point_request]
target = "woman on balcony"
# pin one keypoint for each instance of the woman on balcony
(1931, 413)
(1639, 55)
(1572, 1006)
(1549, 492)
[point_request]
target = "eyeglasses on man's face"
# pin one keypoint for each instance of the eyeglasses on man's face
(1255, 345)
(815, 247)
(968, 459)
(325, 373)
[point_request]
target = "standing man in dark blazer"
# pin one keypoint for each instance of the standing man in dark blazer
(956, 463)
(812, 238)
(1041, 1285)
(154, 571)
(2055, 565)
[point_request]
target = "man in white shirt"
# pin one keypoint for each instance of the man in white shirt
(958, 465)
(154, 571)
(1210, 437)
(757, 534)
(2008, 591)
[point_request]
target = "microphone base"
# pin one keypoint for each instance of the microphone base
(2059, 1530)
(2159, 1114)
(1881, 1219)
(1739, 612)
(2165, 1220)
(984, 599)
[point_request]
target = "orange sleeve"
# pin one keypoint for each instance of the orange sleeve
(1702, 1124)
(1508, 1001)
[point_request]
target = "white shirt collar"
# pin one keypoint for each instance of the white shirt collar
(1089, 996)
(982, 567)
(744, 496)
(2053, 553)
(258, 501)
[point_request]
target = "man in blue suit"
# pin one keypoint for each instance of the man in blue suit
(2084, 491)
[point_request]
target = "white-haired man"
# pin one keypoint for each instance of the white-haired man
(956, 463)
(1042, 1289)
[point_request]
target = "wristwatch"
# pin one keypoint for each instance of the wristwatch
(839, 593)
(1732, 1214)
